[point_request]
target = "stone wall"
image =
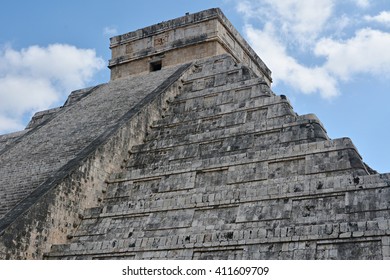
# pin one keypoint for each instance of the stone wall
(53, 210)
(168, 58)
(194, 36)
(231, 172)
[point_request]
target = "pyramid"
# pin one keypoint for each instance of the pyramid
(187, 153)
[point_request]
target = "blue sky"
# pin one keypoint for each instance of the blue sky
(330, 57)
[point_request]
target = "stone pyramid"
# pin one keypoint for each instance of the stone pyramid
(187, 154)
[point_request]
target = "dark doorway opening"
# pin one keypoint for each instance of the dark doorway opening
(155, 66)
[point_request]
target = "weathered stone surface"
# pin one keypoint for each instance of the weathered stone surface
(195, 161)
(195, 36)
(253, 181)
(54, 170)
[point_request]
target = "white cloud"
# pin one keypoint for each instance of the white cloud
(110, 31)
(362, 3)
(303, 17)
(383, 17)
(313, 46)
(10, 124)
(286, 68)
(300, 21)
(366, 52)
(19, 94)
(37, 78)
(247, 9)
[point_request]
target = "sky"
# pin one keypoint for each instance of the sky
(329, 57)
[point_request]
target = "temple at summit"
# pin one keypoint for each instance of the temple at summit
(187, 153)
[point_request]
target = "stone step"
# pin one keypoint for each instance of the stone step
(236, 124)
(220, 64)
(289, 238)
(251, 88)
(353, 201)
(249, 135)
(244, 138)
(137, 197)
(179, 115)
(340, 153)
(212, 76)
(215, 79)
(254, 112)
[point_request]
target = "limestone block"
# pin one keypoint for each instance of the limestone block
(181, 181)
(323, 209)
(216, 217)
(170, 219)
(247, 172)
(211, 178)
(218, 254)
(286, 168)
(368, 200)
(263, 210)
